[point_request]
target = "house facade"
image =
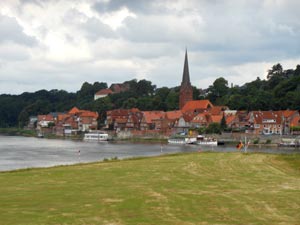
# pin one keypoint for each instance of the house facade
(102, 93)
(266, 122)
(68, 123)
(290, 118)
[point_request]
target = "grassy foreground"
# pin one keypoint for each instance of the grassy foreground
(198, 188)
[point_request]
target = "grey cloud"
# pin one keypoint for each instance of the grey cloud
(232, 33)
(95, 29)
(10, 30)
(12, 52)
(248, 33)
(133, 5)
(159, 29)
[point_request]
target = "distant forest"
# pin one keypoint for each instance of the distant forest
(280, 90)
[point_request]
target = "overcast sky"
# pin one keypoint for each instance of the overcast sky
(59, 44)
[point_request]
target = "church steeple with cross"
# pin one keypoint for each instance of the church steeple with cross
(186, 89)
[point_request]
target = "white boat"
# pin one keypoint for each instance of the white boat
(95, 137)
(289, 142)
(201, 140)
(181, 140)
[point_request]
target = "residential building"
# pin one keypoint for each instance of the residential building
(289, 118)
(123, 119)
(69, 123)
(117, 88)
(152, 120)
(102, 93)
(197, 106)
(265, 122)
(45, 120)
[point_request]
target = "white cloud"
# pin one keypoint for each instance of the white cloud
(60, 44)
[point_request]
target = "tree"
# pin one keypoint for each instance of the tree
(97, 86)
(130, 103)
(86, 91)
(218, 89)
(213, 128)
(223, 123)
(162, 92)
(196, 93)
(297, 71)
(145, 88)
(102, 105)
(275, 70)
(172, 100)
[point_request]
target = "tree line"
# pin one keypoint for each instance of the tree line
(280, 90)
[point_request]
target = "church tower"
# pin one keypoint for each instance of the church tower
(186, 89)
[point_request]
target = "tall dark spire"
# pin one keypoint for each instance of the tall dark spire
(186, 74)
(186, 89)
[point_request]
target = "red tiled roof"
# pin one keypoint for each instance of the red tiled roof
(261, 117)
(86, 120)
(82, 113)
(295, 121)
(88, 114)
(48, 117)
(230, 119)
(217, 110)
(121, 112)
(62, 117)
(69, 119)
(188, 116)
(197, 104)
(104, 92)
(116, 88)
(74, 110)
(174, 115)
(289, 113)
(216, 118)
(200, 118)
(121, 120)
(153, 115)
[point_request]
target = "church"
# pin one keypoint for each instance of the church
(186, 89)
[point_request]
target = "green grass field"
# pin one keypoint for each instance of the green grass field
(198, 188)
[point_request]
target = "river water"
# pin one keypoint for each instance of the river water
(28, 152)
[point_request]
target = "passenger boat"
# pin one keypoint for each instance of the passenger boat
(99, 136)
(181, 140)
(289, 142)
(201, 140)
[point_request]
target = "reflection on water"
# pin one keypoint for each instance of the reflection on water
(23, 152)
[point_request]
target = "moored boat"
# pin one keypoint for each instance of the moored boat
(181, 140)
(201, 140)
(289, 142)
(96, 136)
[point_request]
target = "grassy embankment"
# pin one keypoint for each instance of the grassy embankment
(17, 131)
(13, 131)
(198, 188)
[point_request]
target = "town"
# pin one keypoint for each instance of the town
(192, 115)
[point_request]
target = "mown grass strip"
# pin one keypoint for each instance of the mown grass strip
(200, 188)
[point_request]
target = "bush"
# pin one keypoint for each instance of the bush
(268, 141)
(295, 128)
(256, 141)
(213, 128)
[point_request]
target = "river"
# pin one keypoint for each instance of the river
(29, 152)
